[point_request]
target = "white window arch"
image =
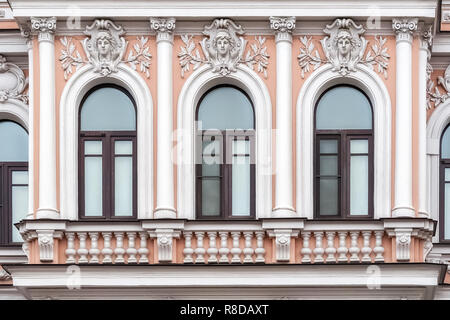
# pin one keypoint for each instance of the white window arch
(195, 87)
(76, 88)
(371, 84)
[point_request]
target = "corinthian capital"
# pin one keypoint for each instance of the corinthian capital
(404, 28)
(164, 28)
(283, 27)
(44, 27)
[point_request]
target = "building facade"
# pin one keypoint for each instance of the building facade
(224, 149)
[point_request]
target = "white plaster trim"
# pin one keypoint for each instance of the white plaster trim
(438, 121)
(196, 85)
(83, 80)
(368, 81)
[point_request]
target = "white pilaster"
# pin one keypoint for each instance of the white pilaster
(283, 27)
(45, 28)
(164, 174)
(404, 28)
(424, 56)
(25, 31)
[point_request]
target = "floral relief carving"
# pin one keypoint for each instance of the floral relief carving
(434, 95)
(223, 49)
(344, 48)
(105, 48)
(12, 82)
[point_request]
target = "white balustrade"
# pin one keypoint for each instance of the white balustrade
(212, 250)
(318, 250)
(93, 251)
(143, 251)
(200, 251)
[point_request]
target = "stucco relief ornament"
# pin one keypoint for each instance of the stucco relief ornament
(344, 48)
(223, 49)
(105, 48)
(436, 96)
(12, 82)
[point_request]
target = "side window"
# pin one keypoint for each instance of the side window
(225, 164)
(444, 214)
(343, 164)
(13, 180)
(107, 154)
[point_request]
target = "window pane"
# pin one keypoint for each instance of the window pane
(19, 204)
(211, 197)
(108, 108)
(124, 147)
(13, 142)
(225, 108)
(329, 191)
(123, 186)
(211, 147)
(241, 186)
(359, 185)
(447, 174)
(328, 146)
(211, 166)
(241, 147)
(328, 165)
(447, 212)
(20, 177)
(359, 146)
(446, 144)
(343, 107)
(93, 147)
(93, 186)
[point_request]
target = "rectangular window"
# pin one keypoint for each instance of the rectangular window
(359, 177)
(328, 177)
(123, 178)
(446, 229)
(19, 201)
(93, 178)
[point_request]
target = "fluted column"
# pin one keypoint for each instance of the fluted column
(26, 33)
(164, 175)
(45, 29)
(424, 56)
(404, 28)
(283, 27)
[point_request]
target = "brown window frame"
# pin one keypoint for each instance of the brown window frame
(343, 137)
(443, 163)
(6, 227)
(226, 137)
(108, 139)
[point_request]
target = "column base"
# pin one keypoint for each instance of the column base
(284, 212)
(423, 214)
(165, 213)
(44, 213)
(403, 212)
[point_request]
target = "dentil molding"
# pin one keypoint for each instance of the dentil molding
(344, 48)
(12, 82)
(223, 49)
(105, 48)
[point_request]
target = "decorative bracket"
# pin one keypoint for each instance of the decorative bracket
(46, 243)
(283, 243)
(12, 82)
(164, 240)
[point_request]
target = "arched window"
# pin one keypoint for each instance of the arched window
(225, 166)
(13, 180)
(444, 214)
(107, 154)
(343, 154)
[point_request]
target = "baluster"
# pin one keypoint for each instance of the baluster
(306, 251)
(188, 251)
(199, 251)
(379, 250)
(212, 250)
(260, 251)
(318, 250)
(248, 250)
(107, 251)
(235, 251)
(330, 250)
(82, 251)
(342, 250)
(119, 251)
(70, 251)
(94, 251)
(224, 251)
(366, 250)
(143, 251)
(354, 249)
(131, 250)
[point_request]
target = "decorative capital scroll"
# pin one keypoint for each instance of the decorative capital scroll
(164, 28)
(344, 48)
(426, 38)
(44, 26)
(403, 244)
(12, 82)
(223, 49)
(105, 47)
(283, 27)
(404, 28)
